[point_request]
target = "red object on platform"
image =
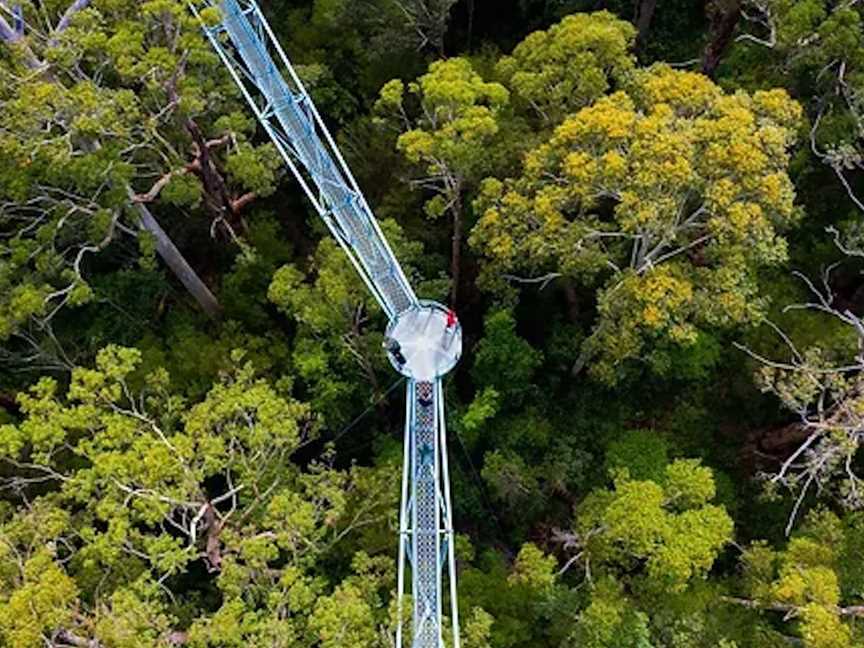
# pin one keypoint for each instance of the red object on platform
(451, 319)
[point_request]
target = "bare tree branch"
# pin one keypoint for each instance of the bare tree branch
(69, 14)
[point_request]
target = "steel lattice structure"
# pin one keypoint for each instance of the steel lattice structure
(429, 335)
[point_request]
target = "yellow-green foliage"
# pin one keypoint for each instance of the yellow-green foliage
(457, 122)
(571, 64)
(347, 617)
(476, 629)
(805, 579)
(459, 113)
(668, 197)
(671, 527)
(610, 620)
(533, 568)
(822, 628)
(40, 599)
(127, 459)
(339, 323)
(134, 618)
(95, 122)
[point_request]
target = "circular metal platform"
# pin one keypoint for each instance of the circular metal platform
(424, 342)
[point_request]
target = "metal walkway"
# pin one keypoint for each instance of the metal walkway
(246, 44)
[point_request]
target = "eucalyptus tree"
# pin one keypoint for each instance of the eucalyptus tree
(117, 490)
(447, 123)
(817, 48)
(631, 570)
(816, 373)
(724, 17)
(668, 198)
(811, 587)
(570, 65)
(428, 20)
(111, 113)
(337, 348)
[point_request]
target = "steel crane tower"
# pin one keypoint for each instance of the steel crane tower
(424, 338)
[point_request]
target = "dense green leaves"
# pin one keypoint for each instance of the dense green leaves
(337, 351)
(642, 196)
(670, 528)
(568, 67)
(449, 140)
(618, 478)
(101, 120)
(146, 486)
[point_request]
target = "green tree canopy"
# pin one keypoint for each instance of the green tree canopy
(668, 198)
(458, 118)
(668, 532)
(337, 350)
(571, 65)
(137, 487)
(106, 112)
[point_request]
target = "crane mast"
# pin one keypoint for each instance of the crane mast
(425, 340)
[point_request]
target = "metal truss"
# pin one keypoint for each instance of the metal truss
(425, 520)
(246, 45)
(245, 42)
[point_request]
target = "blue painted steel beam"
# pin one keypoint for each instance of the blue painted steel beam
(246, 45)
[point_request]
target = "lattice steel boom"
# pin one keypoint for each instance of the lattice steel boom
(424, 338)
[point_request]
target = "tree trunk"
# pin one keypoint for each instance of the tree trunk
(177, 263)
(217, 199)
(71, 639)
(213, 545)
(724, 21)
(580, 363)
(14, 38)
(164, 245)
(644, 15)
(777, 606)
(69, 14)
(456, 253)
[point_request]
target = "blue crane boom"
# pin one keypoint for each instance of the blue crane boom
(424, 337)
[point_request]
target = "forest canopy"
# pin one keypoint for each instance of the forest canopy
(648, 217)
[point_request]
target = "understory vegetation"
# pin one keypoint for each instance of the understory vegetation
(649, 217)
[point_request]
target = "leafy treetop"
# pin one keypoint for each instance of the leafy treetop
(668, 197)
